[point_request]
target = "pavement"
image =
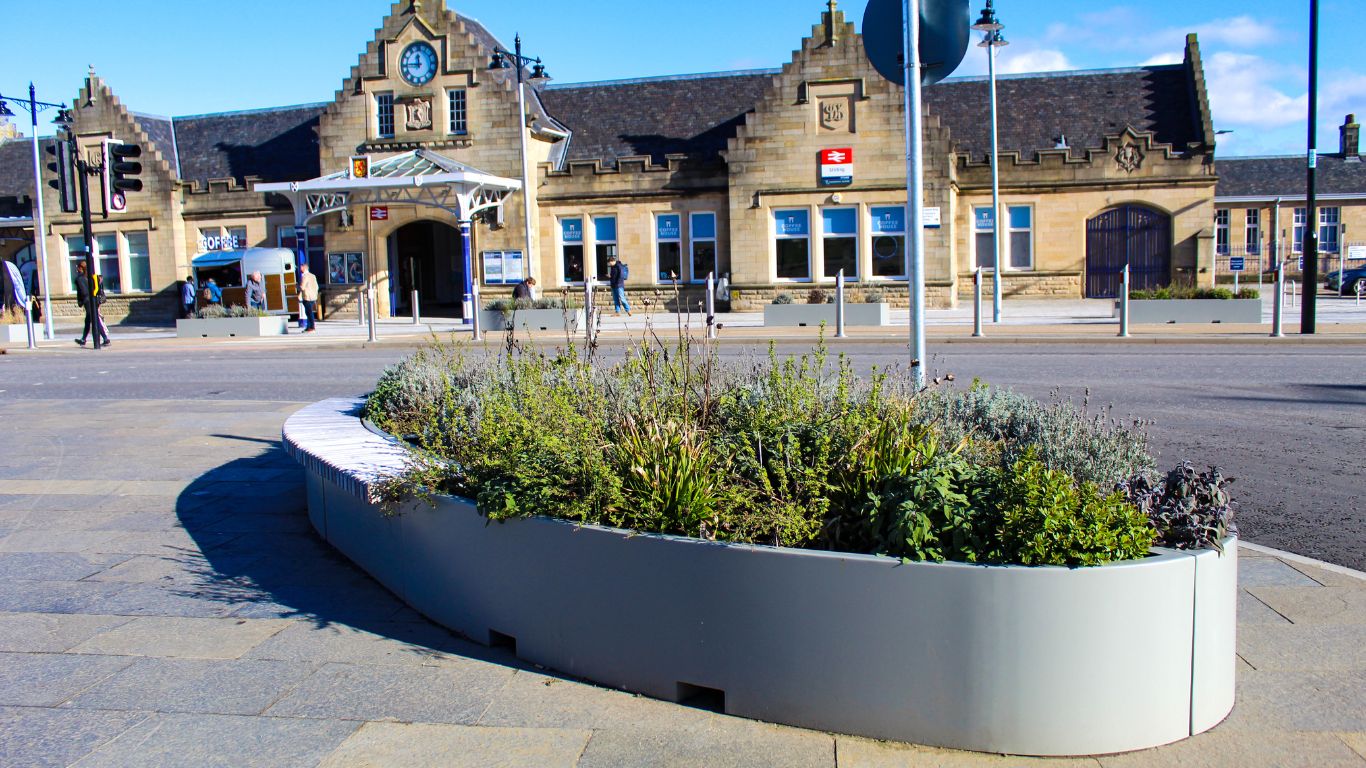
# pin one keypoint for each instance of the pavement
(1340, 320)
(163, 602)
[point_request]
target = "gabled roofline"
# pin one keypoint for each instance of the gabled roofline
(264, 110)
(1060, 73)
(662, 79)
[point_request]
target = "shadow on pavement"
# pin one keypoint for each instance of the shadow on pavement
(261, 559)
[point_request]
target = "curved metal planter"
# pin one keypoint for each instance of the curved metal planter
(1031, 661)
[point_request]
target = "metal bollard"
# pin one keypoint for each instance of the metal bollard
(1124, 304)
(417, 310)
(711, 305)
(977, 304)
(1294, 290)
(1278, 312)
(361, 311)
(476, 316)
(839, 305)
(371, 314)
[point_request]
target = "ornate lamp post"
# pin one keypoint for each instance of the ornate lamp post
(992, 40)
(34, 107)
(502, 59)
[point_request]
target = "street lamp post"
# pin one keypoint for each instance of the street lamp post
(992, 40)
(34, 107)
(517, 61)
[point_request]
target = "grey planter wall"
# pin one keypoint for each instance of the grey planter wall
(1034, 661)
(228, 327)
(1195, 311)
(13, 333)
(532, 320)
(812, 315)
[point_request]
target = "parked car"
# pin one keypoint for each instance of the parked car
(1348, 282)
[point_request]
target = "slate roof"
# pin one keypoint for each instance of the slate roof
(1286, 176)
(272, 144)
(691, 114)
(16, 168)
(161, 130)
(1037, 110)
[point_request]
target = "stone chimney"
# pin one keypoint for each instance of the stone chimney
(1351, 139)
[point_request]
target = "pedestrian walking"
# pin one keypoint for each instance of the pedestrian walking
(212, 294)
(256, 291)
(187, 297)
(617, 275)
(90, 294)
(308, 297)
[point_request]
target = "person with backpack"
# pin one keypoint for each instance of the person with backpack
(617, 275)
(86, 288)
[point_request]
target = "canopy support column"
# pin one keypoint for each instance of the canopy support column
(468, 308)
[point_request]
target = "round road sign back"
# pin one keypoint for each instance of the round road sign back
(944, 33)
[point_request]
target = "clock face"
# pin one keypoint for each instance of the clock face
(418, 63)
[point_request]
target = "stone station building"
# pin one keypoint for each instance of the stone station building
(774, 179)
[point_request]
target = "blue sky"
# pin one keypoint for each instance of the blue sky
(198, 57)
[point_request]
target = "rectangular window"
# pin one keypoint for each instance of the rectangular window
(1330, 221)
(605, 242)
(889, 241)
(317, 243)
(384, 115)
(460, 124)
(139, 263)
(107, 252)
(1253, 232)
(702, 230)
(793, 232)
(571, 249)
(669, 247)
(1221, 245)
(1021, 237)
(1301, 216)
(984, 236)
(237, 238)
(840, 242)
(75, 250)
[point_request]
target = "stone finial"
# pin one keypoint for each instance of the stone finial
(832, 30)
(414, 6)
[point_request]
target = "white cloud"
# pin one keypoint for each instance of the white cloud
(1162, 59)
(1044, 60)
(1237, 32)
(1242, 93)
(1342, 93)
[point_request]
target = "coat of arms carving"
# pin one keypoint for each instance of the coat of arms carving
(837, 114)
(419, 114)
(1129, 157)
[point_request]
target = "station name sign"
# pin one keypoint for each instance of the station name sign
(837, 167)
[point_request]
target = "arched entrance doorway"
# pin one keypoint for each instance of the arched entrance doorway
(1130, 234)
(428, 256)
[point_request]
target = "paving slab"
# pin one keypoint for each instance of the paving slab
(56, 540)
(380, 644)
(407, 694)
(56, 596)
(1270, 572)
(40, 737)
(220, 741)
(716, 742)
(48, 679)
(544, 701)
(238, 687)
(1253, 611)
(1297, 701)
(854, 752)
(187, 569)
(51, 632)
(1317, 605)
(1357, 741)
(423, 745)
(184, 638)
(157, 600)
(1224, 749)
(1313, 647)
(53, 566)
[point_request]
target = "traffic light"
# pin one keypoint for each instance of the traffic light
(63, 166)
(124, 168)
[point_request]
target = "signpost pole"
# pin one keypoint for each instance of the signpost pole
(1124, 304)
(915, 212)
(1310, 272)
(839, 305)
(977, 303)
(711, 305)
(39, 239)
(1278, 311)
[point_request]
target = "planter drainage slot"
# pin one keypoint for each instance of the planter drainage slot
(702, 697)
(499, 640)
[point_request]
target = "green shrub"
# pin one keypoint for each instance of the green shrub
(212, 312)
(783, 298)
(1048, 519)
(1188, 509)
(1188, 292)
(795, 452)
(817, 296)
(872, 296)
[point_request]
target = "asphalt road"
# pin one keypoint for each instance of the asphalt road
(1288, 421)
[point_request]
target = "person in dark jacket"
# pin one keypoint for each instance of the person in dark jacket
(523, 293)
(616, 278)
(86, 289)
(188, 290)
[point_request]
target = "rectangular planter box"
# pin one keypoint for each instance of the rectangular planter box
(18, 334)
(1194, 311)
(812, 315)
(532, 320)
(231, 327)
